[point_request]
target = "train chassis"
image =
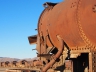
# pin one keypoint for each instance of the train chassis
(79, 61)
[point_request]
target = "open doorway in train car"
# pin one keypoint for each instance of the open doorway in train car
(81, 63)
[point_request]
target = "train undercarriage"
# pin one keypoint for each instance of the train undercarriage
(76, 61)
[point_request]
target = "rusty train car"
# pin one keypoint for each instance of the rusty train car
(66, 39)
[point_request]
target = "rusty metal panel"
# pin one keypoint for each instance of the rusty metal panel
(32, 39)
(62, 16)
(87, 20)
(94, 61)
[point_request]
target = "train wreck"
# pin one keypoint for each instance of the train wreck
(66, 39)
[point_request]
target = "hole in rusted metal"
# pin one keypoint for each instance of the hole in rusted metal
(94, 8)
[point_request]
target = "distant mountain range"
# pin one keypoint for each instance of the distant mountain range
(3, 59)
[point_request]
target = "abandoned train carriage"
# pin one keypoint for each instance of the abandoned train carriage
(66, 39)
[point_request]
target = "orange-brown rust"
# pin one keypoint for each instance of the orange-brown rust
(74, 21)
(68, 19)
(32, 39)
(57, 55)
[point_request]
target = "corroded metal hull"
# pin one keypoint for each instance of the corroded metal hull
(73, 20)
(67, 25)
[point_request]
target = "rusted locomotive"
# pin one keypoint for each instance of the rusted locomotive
(66, 40)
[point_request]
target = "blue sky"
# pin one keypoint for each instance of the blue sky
(18, 20)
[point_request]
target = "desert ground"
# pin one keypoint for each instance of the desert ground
(2, 69)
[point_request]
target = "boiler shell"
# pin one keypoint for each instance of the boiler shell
(73, 20)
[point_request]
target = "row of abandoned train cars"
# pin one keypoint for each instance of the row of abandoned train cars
(27, 66)
(21, 66)
(66, 39)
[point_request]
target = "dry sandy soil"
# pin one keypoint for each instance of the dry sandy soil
(2, 69)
